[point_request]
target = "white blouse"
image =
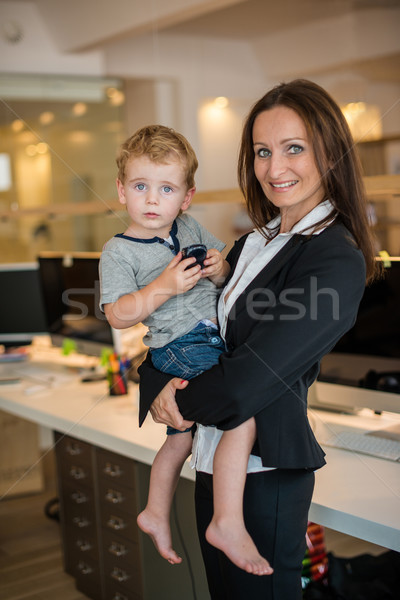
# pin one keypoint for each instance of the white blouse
(254, 257)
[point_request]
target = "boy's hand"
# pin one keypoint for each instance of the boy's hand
(215, 267)
(176, 279)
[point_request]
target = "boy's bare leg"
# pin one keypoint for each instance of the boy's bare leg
(227, 530)
(164, 477)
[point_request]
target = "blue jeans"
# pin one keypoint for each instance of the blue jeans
(189, 355)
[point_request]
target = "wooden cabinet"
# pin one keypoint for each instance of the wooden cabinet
(120, 536)
(76, 471)
(101, 493)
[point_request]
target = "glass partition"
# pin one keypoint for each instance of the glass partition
(58, 142)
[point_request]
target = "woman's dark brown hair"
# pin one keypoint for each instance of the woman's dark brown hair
(335, 156)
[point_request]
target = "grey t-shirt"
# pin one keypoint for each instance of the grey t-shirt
(127, 265)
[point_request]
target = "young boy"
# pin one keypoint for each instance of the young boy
(140, 283)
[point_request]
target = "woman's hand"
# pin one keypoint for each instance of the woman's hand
(164, 408)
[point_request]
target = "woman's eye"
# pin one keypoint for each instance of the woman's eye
(295, 149)
(167, 189)
(263, 153)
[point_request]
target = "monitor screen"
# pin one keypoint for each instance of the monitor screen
(368, 355)
(22, 314)
(71, 292)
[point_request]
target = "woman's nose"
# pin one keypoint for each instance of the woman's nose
(277, 166)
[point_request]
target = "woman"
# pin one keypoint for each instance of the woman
(294, 290)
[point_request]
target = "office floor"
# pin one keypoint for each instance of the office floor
(31, 565)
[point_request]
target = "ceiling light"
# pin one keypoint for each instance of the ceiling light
(79, 109)
(42, 148)
(221, 102)
(364, 120)
(46, 117)
(17, 125)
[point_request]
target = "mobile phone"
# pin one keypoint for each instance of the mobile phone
(199, 251)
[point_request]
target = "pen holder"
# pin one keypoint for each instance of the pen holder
(117, 375)
(117, 383)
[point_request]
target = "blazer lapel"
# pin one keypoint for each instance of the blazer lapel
(268, 272)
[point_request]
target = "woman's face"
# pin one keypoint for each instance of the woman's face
(284, 163)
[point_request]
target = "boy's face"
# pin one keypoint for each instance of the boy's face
(154, 193)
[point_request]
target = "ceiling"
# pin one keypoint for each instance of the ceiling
(259, 17)
(239, 20)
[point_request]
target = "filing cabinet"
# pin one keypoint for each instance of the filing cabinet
(79, 515)
(98, 507)
(118, 510)
(101, 492)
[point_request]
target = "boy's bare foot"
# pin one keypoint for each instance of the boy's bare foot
(160, 532)
(238, 546)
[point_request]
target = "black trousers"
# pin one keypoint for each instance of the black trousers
(276, 505)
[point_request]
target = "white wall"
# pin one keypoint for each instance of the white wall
(36, 52)
(195, 64)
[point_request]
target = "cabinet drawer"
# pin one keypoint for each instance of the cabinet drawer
(114, 591)
(76, 495)
(120, 550)
(113, 495)
(71, 449)
(117, 468)
(80, 519)
(125, 575)
(88, 578)
(75, 472)
(120, 523)
(81, 544)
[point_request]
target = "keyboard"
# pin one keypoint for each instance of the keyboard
(365, 444)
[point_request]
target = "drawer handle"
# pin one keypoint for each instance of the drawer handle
(119, 596)
(80, 521)
(79, 497)
(112, 470)
(117, 549)
(119, 575)
(84, 568)
(74, 449)
(84, 545)
(114, 497)
(116, 523)
(77, 473)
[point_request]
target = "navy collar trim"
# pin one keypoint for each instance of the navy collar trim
(174, 230)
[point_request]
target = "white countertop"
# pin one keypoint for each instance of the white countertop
(354, 494)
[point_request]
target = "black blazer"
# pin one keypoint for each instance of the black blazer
(280, 327)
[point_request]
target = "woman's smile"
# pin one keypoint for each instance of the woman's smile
(283, 186)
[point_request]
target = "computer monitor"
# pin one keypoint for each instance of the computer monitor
(71, 292)
(363, 369)
(22, 314)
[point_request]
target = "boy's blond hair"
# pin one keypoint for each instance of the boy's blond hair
(161, 144)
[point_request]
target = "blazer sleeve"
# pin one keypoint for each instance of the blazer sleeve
(316, 305)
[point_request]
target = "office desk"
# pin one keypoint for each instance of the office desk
(354, 494)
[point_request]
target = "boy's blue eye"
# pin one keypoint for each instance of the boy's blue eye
(140, 187)
(295, 149)
(167, 189)
(263, 153)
